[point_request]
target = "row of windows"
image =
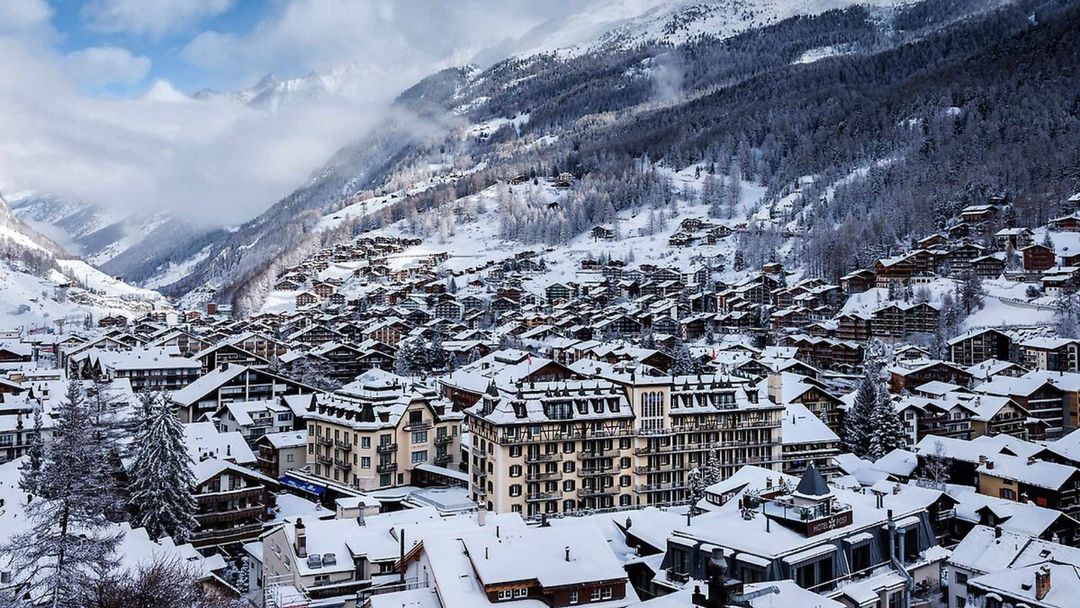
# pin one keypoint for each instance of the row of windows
(571, 447)
(385, 438)
(569, 485)
(568, 506)
(516, 470)
(513, 594)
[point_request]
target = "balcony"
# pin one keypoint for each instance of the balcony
(659, 487)
(217, 501)
(595, 455)
(443, 459)
(601, 470)
(572, 435)
(231, 516)
(542, 496)
(342, 445)
(386, 448)
(592, 492)
(682, 448)
(423, 425)
(545, 476)
(323, 459)
(204, 538)
(553, 457)
(443, 440)
(341, 464)
(389, 467)
(325, 440)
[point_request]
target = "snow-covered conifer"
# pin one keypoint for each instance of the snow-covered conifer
(160, 477)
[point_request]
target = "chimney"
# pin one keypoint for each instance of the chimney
(401, 559)
(481, 516)
(301, 539)
(1042, 582)
(1031, 460)
(360, 516)
(716, 571)
(698, 598)
(990, 465)
(567, 552)
(997, 531)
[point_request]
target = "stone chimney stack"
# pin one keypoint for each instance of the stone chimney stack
(301, 539)
(1042, 582)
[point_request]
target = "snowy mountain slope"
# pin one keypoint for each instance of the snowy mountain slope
(273, 93)
(622, 24)
(16, 237)
(93, 232)
(42, 287)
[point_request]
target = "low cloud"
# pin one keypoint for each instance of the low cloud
(23, 15)
(218, 161)
(148, 17)
(99, 66)
(210, 161)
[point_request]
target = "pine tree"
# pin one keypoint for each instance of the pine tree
(411, 359)
(109, 428)
(436, 356)
(714, 473)
(160, 478)
(1066, 317)
(857, 417)
(695, 485)
(69, 542)
(35, 456)
(886, 429)
(971, 292)
(647, 339)
(684, 364)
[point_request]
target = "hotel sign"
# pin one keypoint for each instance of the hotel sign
(820, 526)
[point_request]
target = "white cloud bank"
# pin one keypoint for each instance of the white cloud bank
(98, 66)
(149, 17)
(218, 161)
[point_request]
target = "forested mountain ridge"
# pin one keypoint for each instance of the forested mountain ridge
(889, 120)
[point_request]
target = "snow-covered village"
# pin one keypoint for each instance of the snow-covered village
(662, 303)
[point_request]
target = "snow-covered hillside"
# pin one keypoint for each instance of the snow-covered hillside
(94, 232)
(41, 288)
(468, 229)
(273, 93)
(57, 301)
(622, 24)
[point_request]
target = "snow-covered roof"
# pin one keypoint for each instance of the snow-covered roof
(288, 439)
(1039, 473)
(800, 425)
(589, 559)
(203, 439)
